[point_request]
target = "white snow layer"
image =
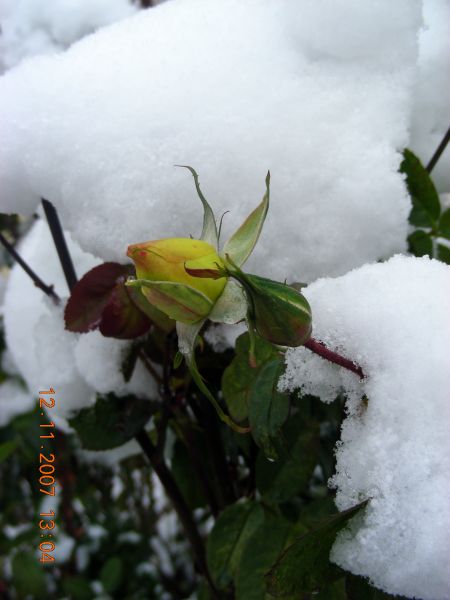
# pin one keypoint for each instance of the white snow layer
(317, 91)
(29, 27)
(46, 355)
(393, 319)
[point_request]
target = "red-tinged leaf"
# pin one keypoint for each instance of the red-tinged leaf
(121, 318)
(91, 295)
(204, 273)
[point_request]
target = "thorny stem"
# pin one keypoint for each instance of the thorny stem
(179, 504)
(47, 289)
(439, 150)
(60, 243)
(320, 349)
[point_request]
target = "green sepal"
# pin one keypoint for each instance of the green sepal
(241, 243)
(187, 336)
(177, 300)
(209, 230)
(277, 312)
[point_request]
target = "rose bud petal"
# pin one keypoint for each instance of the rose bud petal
(164, 261)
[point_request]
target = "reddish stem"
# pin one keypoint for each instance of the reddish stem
(320, 349)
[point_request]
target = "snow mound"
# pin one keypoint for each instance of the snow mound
(29, 27)
(393, 319)
(303, 88)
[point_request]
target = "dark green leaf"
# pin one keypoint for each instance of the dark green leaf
(111, 574)
(444, 224)
(334, 591)
(112, 421)
(239, 376)
(228, 539)
(77, 588)
(29, 575)
(304, 567)
(424, 197)
(443, 253)
(186, 477)
(358, 588)
(6, 449)
(283, 479)
(259, 554)
(268, 408)
(420, 243)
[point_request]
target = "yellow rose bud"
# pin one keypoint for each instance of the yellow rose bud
(166, 261)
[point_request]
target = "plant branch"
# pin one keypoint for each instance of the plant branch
(150, 368)
(47, 289)
(322, 350)
(60, 243)
(184, 514)
(439, 150)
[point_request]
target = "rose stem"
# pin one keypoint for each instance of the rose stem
(47, 289)
(320, 349)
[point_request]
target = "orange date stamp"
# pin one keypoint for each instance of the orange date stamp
(46, 476)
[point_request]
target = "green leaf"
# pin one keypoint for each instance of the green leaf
(112, 421)
(444, 224)
(186, 477)
(209, 231)
(420, 243)
(29, 575)
(179, 301)
(111, 574)
(268, 541)
(359, 587)
(443, 253)
(304, 567)
(268, 408)
(424, 197)
(6, 449)
(334, 591)
(238, 378)
(77, 588)
(285, 478)
(228, 539)
(241, 244)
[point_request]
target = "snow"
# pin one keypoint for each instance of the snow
(431, 109)
(316, 99)
(393, 319)
(14, 400)
(29, 27)
(47, 355)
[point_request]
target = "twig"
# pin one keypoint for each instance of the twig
(60, 243)
(47, 289)
(320, 349)
(439, 150)
(150, 368)
(184, 514)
